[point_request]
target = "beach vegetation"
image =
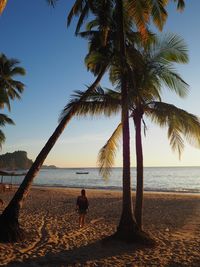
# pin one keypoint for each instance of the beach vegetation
(10, 87)
(17, 160)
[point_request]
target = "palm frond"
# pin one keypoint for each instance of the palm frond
(4, 119)
(18, 71)
(176, 141)
(52, 2)
(181, 124)
(10, 87)
(94, 61)
(4, 100)
(75, 10)
(180, 4)
(2, 5)
(97, 103)
(82, 18)
(107, 152)
(170, 48)
(92, 24)
(158, 12)
(139, 11)
(71, 109)
(145, 126)
(173, 81)
(2, 138)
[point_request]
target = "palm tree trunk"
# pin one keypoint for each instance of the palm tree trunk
(9, 225)
(139, 162)
(127, 226)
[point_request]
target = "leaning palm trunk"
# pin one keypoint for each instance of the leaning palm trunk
(139, 160)
(127, 227)
(9, 225)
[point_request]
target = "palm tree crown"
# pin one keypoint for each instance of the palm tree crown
(10, 87)
(151, 73)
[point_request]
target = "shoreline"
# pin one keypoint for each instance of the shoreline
(113, 189)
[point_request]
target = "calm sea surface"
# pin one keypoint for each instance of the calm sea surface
(164, 179)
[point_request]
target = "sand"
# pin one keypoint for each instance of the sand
(54, 238)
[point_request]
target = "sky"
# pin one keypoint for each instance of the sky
(53, 57)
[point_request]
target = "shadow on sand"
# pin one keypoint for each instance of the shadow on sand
(83, 256)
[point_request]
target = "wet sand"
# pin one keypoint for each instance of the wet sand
(54, 238)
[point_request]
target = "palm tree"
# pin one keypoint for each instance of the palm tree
(141, 12)
(9, 220)
(155, 70)
(9, 88)
(9, 224)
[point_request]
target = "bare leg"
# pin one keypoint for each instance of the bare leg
(83, 219)
(80, 220)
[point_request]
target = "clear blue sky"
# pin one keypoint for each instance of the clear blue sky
(54, 60)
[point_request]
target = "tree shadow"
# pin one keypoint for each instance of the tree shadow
(194, 263)
(84, 255)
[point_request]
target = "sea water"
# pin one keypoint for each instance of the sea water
(160, 179)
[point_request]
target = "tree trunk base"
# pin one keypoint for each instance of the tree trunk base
(10, 231)
(138, 237)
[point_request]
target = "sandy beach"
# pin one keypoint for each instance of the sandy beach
(54, 238)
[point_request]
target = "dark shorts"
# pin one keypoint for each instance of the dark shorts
(82, 211)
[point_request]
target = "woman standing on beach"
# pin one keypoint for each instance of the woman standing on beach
(82, 205)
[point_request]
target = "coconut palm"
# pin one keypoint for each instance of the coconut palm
(9, 224)
(9, 220)
(10, 229)
(113, 36)
(145, 99)
(9, 87)
(141, 12)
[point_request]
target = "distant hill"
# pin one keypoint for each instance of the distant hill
(49, 167)
(15, 161)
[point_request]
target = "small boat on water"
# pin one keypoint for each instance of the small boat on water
(82, 172)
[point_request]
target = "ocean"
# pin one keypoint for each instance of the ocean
(157, 179)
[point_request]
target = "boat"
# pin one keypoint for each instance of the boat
(82, 172)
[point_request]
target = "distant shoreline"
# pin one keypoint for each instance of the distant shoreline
(86, 168)
(113, 189)
(46, 167)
